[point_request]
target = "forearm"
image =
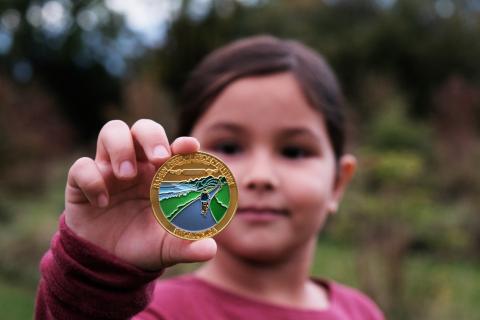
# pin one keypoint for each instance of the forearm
(82, 281)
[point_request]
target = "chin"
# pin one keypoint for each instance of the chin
(256, 246)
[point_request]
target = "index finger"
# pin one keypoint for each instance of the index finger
(151, 141)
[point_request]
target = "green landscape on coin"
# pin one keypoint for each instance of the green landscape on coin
(196, 204)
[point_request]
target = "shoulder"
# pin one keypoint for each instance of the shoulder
(354, 303)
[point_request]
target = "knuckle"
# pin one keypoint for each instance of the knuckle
(80, 164)
(124, 151)
(93, 184)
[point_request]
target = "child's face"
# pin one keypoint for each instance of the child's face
(278, 149)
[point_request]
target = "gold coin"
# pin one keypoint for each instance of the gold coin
(194, 196)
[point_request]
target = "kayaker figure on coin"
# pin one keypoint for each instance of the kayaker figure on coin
(205, 201)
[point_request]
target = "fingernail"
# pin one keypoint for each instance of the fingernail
(160, 151)
(126, 169)
(102, 200)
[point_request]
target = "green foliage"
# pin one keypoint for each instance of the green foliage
(16, 302)
(409, 224)
(390, 129)
(395, 207)
(434, 289)
(391, 188)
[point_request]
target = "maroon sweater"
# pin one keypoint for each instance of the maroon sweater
(83, 281)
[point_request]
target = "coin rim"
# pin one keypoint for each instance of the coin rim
(193, 235)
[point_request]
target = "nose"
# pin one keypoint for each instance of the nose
(259, 175)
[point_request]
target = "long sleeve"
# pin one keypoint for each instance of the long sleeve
(79, 280)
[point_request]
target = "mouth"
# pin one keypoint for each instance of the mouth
(261, 214)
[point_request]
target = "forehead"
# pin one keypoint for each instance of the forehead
(263, 102)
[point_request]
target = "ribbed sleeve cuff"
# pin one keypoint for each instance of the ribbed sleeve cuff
(85, 281)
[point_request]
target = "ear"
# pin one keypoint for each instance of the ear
(346, 169)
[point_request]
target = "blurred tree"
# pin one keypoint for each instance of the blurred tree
(396, 205)
(410, 70)
(413, 42)
(54, 45)
(390, 205)
(457, 145)
(80, 51)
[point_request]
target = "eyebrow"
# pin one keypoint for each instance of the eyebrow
(227, 126)
(293, 132)
(285, 133)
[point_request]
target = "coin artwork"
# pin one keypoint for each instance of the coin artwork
(194, 196)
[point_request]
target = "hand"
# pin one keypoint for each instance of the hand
(107, 200)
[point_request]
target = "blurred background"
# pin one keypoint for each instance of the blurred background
(408, 231)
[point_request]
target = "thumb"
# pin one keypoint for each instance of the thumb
(189, 251)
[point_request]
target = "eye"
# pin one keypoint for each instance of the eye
(294, 152)
(227, 148)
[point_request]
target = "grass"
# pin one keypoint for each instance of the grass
(433, 288)
(16, 302)
(443, 291)
(335, 262)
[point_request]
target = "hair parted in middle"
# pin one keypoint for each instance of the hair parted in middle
(264, 55)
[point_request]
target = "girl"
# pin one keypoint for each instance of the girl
(272, 111)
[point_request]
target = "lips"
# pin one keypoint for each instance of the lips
(261, 214)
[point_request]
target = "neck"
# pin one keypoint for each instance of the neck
(284, 282)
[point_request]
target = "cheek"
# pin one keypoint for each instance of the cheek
(308, 196)
(307, 199)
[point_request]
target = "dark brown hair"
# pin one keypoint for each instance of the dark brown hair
(263, 55)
